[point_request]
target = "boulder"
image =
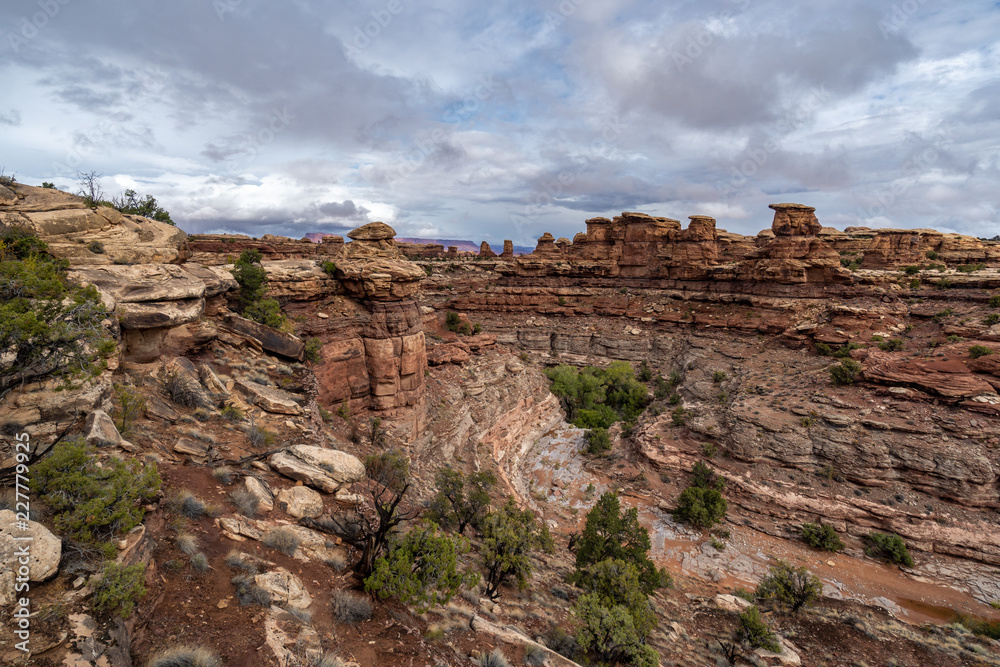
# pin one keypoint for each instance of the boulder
(99, 430)
(270, 399)
(45, 549)
(270, 339)
(731, 603)
(300, 501)
(196, 450)
(285, 588)
(324, 469)
(261, 491)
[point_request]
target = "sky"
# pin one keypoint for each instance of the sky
(506, 119)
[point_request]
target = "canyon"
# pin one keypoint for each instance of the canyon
(744, 324)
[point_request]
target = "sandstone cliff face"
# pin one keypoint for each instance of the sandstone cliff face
(90, 236)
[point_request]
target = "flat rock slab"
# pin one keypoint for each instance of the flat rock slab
(270, 399)
(325, 469)
(270, 339)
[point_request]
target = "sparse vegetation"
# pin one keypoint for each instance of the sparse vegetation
(977, 351)
(231, 413)
(245, 502)
(892, 345)
(754, 633)
(495, 658)
(129, 406)
(283, 539)
(313, 346)
(248, 592)
(719, 376)
(184, 656)
(350, 608)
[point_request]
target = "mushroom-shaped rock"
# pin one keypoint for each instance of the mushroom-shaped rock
(794, 220)
(373, 231)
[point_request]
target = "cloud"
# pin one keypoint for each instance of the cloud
(508, 119)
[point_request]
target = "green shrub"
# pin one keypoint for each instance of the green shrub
(645, 373)
(970, 268)
(452, 321)
(700, 507)
(915, 283)
(911, 269)
(701, 504)
(995, 301)
(49, 327)
(892, 345)
(129, 405)
(422, 568)
(93, 503)
(822, 349)
(267, 312)
(120, 588)
(943, 283)
(461, 500)
(611, 533)
(679, 416)
(132, 203)
(754, 633)
(821, 536)
(932, 254)
(477, 328)
(510, 537)
(890, 547)
(846, 372)
(313, 346)
(96, 247)
(329, 267)
(977, 351)
(940, 316)
(718, 376)
(597, 441)
(991, 319)
(251, 277)
(598, 397)
(48, 186)
(795, 587)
